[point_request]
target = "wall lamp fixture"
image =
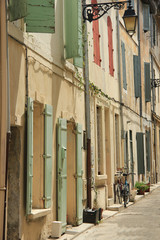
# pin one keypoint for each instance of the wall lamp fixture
(155, 83)
(92, 12)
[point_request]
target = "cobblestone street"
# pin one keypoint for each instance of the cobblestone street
(140, 221)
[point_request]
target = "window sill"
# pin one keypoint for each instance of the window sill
(101, 180)
(38, 213)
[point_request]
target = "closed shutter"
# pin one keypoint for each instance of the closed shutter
(124, 65)
(148, 150)
(147, 82)
(40, 17)
(48, 154)
(96, 40)
(62, 171)
(136, 67)
(79, 174)
(146, 16)
(110, 46)
(140, 153)
(29, 156)
(73, 31)
(16, 9)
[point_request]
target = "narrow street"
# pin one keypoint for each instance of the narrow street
(140, 221)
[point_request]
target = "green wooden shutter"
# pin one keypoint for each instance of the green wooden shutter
(140, 153)
(62, 171)
(73, 30)
(147, 82)
(124, 66)
(48, 155)
(29, 155)
(148, 150)
(79, 174)
(136, 67)
(16, 9)
(40, 16)
(146, 16)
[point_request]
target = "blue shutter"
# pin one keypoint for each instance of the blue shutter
(148, 150)
(62, 171)
(29, 156)
(124, 66)
(147, 82)
(48, 155)
(136, 67)
(16, 9)
(79, 173)
(73, 31)
(40, 16)
(146, 16)
(140, 153)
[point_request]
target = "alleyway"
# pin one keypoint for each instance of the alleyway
(140, 221)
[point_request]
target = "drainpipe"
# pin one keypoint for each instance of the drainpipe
(119, 77)
(8, 129)
(87, 112)
(139, 55)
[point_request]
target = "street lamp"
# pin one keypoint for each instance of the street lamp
(92, 12)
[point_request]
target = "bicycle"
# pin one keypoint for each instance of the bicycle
(119, 187)
(126, 190)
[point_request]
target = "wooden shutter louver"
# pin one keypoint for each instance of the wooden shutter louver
(136, 67)
(110, 46)
(17, 9)
(73, 31)
(148, 151)
(146, 16)
(140, 153)
(124, 65)
(147, 82)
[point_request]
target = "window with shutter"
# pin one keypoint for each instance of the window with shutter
(39, 17)
(136, 67)
(140, 153)
(147, 82)
(96, 40)
(124, 65)
(73, 31)
(39, 156)
(146, 16)
(110, 46)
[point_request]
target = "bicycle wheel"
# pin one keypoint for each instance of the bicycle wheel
(126, 195)
(119, 194)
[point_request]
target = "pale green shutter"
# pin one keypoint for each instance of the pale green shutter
(146, 16)
(62, 171)
(136, 67)
(147, 82)
(140, 153)
(124, 65)
(29, 155)
(148, 150)
(73, 31)
(16, 9)
(40, 16)
(79, 174)
(48, 155)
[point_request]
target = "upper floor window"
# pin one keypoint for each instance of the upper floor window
(96, 42)
(110, 46)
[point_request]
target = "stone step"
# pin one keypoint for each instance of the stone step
(110, 201)
(115, 207)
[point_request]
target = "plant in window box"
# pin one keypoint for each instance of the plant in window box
(141, 188)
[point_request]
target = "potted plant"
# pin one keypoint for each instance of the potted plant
(141, 188)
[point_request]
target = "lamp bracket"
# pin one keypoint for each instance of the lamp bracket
(92, 12)
(155, 83)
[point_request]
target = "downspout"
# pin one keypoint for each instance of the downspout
(119, 78)
(139, 56)
(8, 129)
(87, 111)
